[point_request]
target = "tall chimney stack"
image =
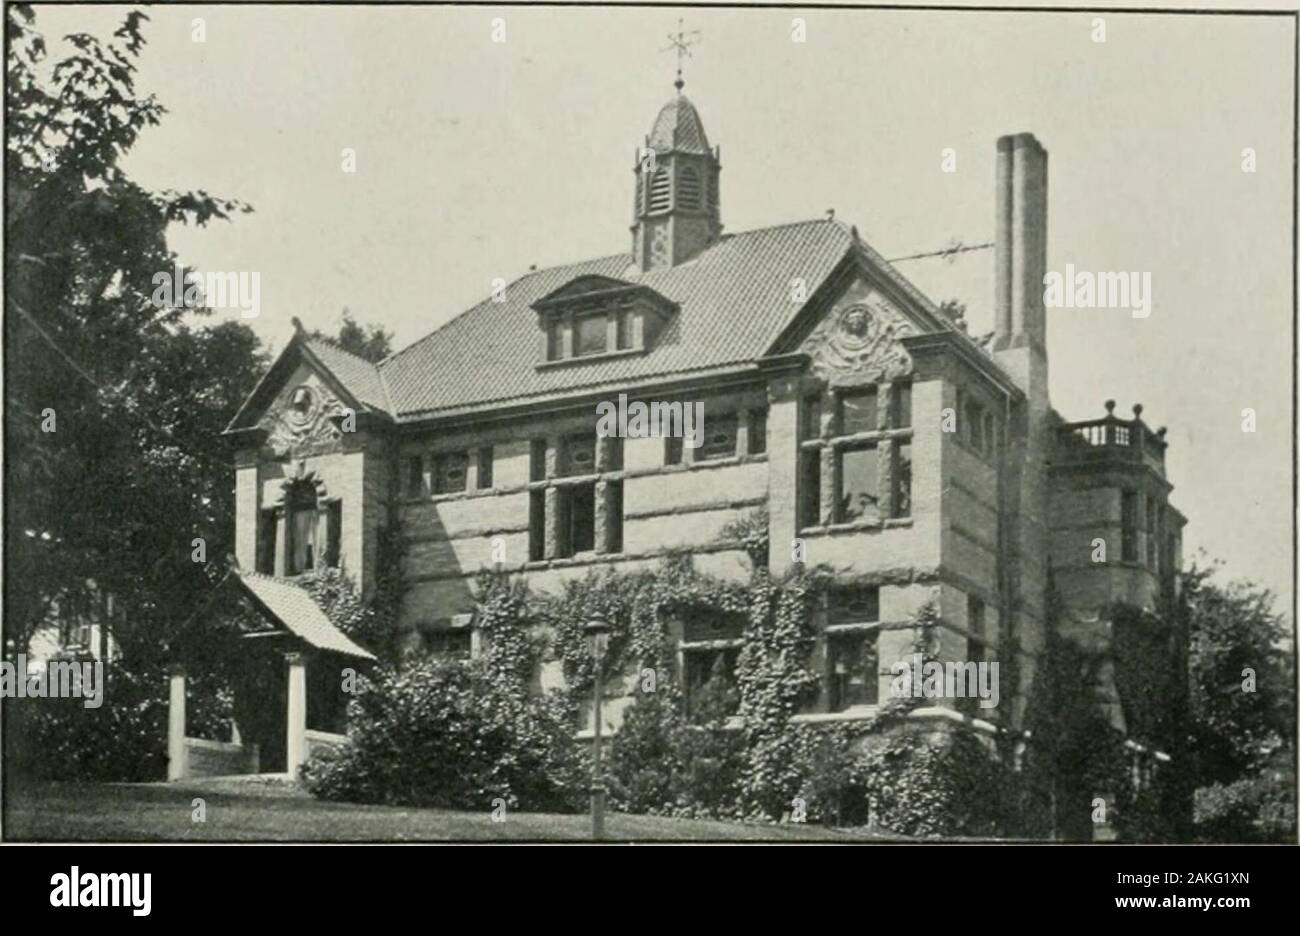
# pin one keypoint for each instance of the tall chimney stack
(1021, 248)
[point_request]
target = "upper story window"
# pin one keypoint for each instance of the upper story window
(757, 431)
(810, 417)
(719, 438)
(537, 460)
(591, 334)
(859, 474)
(485, 467)
(857, 411)
(854, 604)
(414, 475)
(450, 470)
(578, 454)
(312, 534)
(593, 315)
(900, 405)
(1128, 509)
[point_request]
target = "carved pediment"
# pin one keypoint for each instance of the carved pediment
(301, 421)
(858, 342)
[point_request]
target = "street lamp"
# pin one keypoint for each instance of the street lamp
(596, 631)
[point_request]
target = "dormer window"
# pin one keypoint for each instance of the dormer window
(591, 333)
(596, 316)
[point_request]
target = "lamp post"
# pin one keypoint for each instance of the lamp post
(597, 633)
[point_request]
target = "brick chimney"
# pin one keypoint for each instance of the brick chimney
(1020, 256)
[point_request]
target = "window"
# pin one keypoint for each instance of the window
(536, 526)
(711, 682)
(858, 498)
(333, 532)
(1151, 532)
(485, 467)
(854, 664)
(266, 542)
(975, 624)
(975, 426)
(757, 431)
(702, 625)
(900, 503)
(576, 518)
(689, 189)
(900, 405)
(810, 488)
(857, 411)
(591, 333)
(854, 604)
(990, 435)
(1128, 526)
(810, 417)
(302, 529)
(613, 453)
(537, 460)
(579, 453)
(672, 450)
(660, 190)
(554, 341)
(614, 516)
(414, 475)
(719, 438)
(624, 330)
(445, 641)
(450, 470)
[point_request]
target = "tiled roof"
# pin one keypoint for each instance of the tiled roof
(734, 300)
(359, 376)
(678, 127)
(297, 611)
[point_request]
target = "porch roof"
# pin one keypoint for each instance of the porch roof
(291, 605)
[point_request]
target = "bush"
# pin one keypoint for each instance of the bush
(443, 734)
(123, 740)
(1254, 809)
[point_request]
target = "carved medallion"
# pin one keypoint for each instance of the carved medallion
(858, 343)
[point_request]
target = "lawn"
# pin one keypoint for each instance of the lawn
(243, 811)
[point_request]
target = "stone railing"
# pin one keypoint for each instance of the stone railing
(1112, 438)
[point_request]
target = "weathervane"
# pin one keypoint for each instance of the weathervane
(682, 42)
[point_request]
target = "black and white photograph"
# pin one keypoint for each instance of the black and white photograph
(597, 423)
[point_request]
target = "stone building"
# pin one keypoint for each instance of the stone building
(913, 460)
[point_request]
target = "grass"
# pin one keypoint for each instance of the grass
(244, 811)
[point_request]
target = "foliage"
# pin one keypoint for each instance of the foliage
(752, 530)
(1257, 808)
(447, 734)
(371, 342)
(123, 740)
(136, 467)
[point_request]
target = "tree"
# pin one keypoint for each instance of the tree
(1241, 676)
(115, 403)
(371, 342)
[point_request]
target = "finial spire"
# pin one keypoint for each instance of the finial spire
(682, 42)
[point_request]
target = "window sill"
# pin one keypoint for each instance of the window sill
(591, 358)
(858, 438)
(858, 526)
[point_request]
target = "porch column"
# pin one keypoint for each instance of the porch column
(296, 746)
(176, 723)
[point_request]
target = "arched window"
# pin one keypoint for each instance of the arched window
(688, 189)
(660, 190)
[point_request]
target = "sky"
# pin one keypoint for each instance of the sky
(475, 159)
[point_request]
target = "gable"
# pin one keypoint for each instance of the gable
(856, 338)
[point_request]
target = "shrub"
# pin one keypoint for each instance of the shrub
(443, 734)
(123, 740)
